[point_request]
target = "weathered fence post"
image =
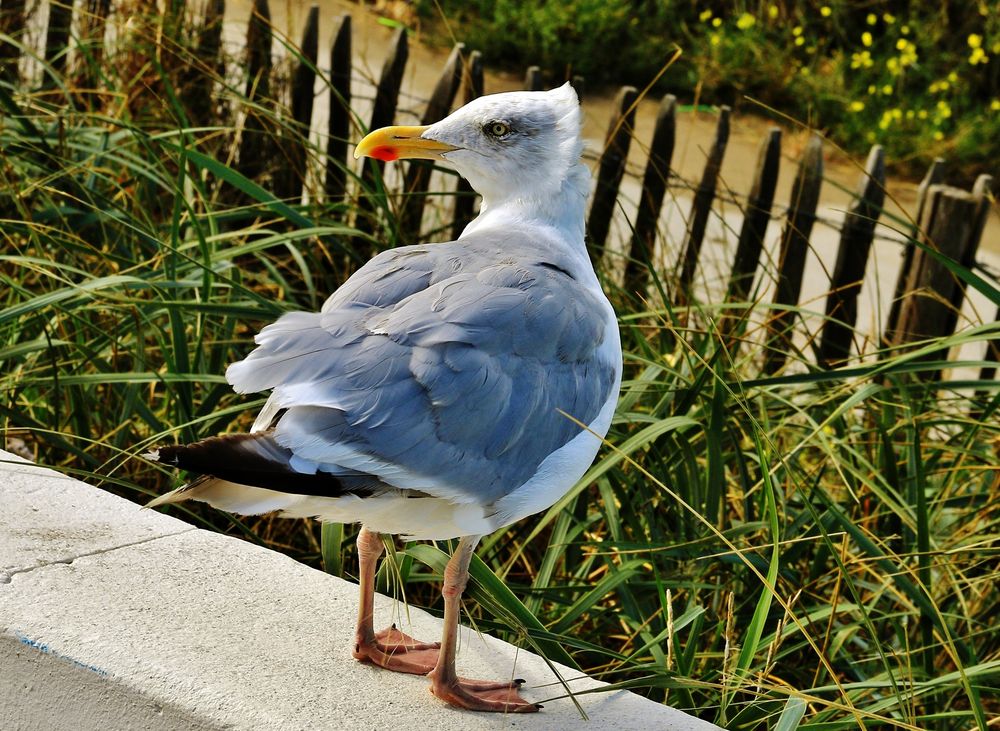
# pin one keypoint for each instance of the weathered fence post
(383, 112)
(981, 191)
(198, 71)
(93, 19)
(465, 198)
(198, 79)
(11, 24)
(989, 372)
(852, 258)
(389, 83)
(701, 208)
(792, 259)
(611, 168)
(935, 175)
(290, 180)
(339, 129)
(57, 39)
(255, 142)
(418, 174)
(533, 79)
(304, 77)
(932, 293)
(654, 186)
(755, 220)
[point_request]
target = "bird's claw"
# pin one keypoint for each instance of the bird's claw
(397, 651)
(483, 695)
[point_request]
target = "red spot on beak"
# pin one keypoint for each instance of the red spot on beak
(384, 152)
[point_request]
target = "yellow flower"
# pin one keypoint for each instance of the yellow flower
(800, 41)
(705, 16)
(978, 56)
(825, 11)
(861, 60)
(889, 18)
(746, 21)
(905, 30)
(921, 114)
(714, 39)
(938, 135)
(856, 106)
(907, 57)
(975, 40)
(952, 77)
(943, 109)
(716, 22)
(872, 89)
(866, 39)
(772, 11)
(887, 89)
(885, 120)
(797, 30)
(995, 105)
(910, 114)
(897, 114)
(871, 19)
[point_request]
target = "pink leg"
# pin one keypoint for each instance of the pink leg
(475, 695)
(390, 648)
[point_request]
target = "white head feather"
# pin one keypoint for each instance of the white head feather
(521, 150)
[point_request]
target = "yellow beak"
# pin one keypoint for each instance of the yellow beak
(396, 143)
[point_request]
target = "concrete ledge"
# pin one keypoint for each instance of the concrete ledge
(112, 617)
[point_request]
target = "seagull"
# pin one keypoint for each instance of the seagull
(444, 390)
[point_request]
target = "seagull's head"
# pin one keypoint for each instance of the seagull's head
(520, 144)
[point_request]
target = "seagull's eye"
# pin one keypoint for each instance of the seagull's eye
(497, 129)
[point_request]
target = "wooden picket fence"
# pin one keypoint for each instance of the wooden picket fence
(927, 295)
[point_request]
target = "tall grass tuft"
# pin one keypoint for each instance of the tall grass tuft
(815, 550)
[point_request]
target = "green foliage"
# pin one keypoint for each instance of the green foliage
(816, 550)
(580, 34)
(923, 80)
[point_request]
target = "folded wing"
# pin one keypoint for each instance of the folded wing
(432, 364)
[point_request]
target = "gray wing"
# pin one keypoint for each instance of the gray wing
(439, 368)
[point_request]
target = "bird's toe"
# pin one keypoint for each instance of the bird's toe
(482, 695)
(397, 651)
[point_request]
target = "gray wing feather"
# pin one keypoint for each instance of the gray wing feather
(431, 364)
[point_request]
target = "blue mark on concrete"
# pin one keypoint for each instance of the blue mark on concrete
(47, 650)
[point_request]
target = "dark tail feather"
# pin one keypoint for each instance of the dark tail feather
(254, 459)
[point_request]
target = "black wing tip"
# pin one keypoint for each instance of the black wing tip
(254, 460)
(256, 451)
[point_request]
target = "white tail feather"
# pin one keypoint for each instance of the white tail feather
(174, 496)
(229, 496)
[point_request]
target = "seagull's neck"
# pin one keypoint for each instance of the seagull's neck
(561, 211)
